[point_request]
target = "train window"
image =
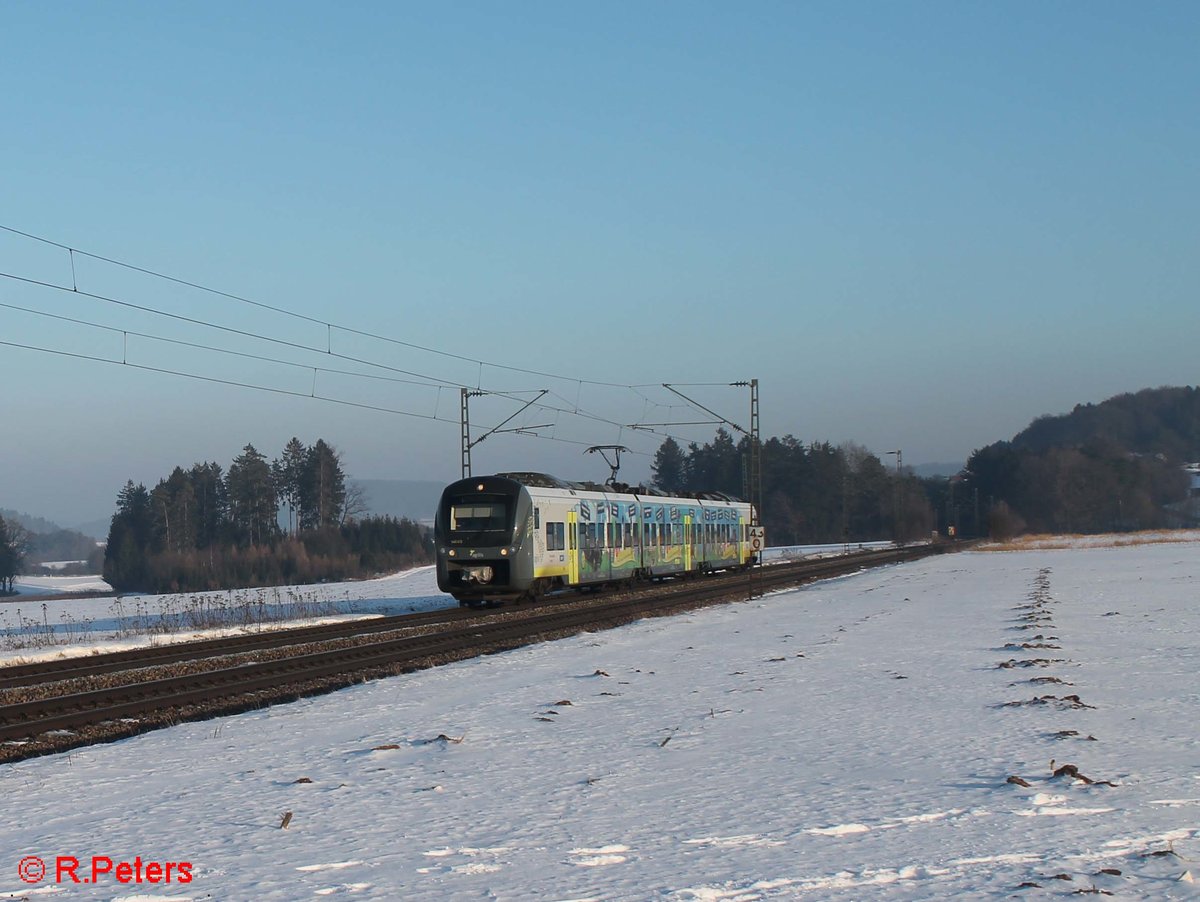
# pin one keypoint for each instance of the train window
(537, 518)
(478, 513)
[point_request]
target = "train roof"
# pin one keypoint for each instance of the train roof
(541, 481)
(546, 481)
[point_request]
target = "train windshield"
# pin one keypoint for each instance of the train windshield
(479, 513)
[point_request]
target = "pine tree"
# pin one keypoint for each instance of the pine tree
(211, 503)
(323, 488)
(288, 472)
(174, 503)
(130, 535)
(253, 511)
(669, 467)
(8, 559)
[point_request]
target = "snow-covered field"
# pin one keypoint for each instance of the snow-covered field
(851, 739)
(67, 625)
(44, 585)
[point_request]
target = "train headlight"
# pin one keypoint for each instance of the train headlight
(450, 552)
(503, 552)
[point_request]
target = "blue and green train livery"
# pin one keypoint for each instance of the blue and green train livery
(520, 535)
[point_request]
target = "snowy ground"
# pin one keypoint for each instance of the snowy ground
(44, 585)
(847, 740)
(66, 625)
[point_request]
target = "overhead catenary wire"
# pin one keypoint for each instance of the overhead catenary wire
(301, 316)
(203, 347)
(573, 408)
(511, 394)
(266, 388)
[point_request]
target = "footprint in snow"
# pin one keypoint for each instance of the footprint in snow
(591, 858)
(472, 866)
(747, 839)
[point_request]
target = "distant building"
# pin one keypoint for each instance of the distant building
(1188, 510)
(1193, 470)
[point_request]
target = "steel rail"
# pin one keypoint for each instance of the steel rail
(16, 675)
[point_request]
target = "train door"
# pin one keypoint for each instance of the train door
(608, 542)
(573, 548)
(687, 543)
(539, 541)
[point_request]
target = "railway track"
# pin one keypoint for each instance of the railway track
(16, 675)
(316, 660)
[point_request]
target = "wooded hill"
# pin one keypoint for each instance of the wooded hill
(1112, 466)
(1153, 421)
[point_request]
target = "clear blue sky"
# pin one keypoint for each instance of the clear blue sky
(919, 225)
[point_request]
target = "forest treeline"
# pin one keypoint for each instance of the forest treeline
(289, 520)
(1113, 466)
(812, 494)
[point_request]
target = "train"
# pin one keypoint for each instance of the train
(519, 536)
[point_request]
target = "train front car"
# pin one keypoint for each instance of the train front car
(484, 549)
